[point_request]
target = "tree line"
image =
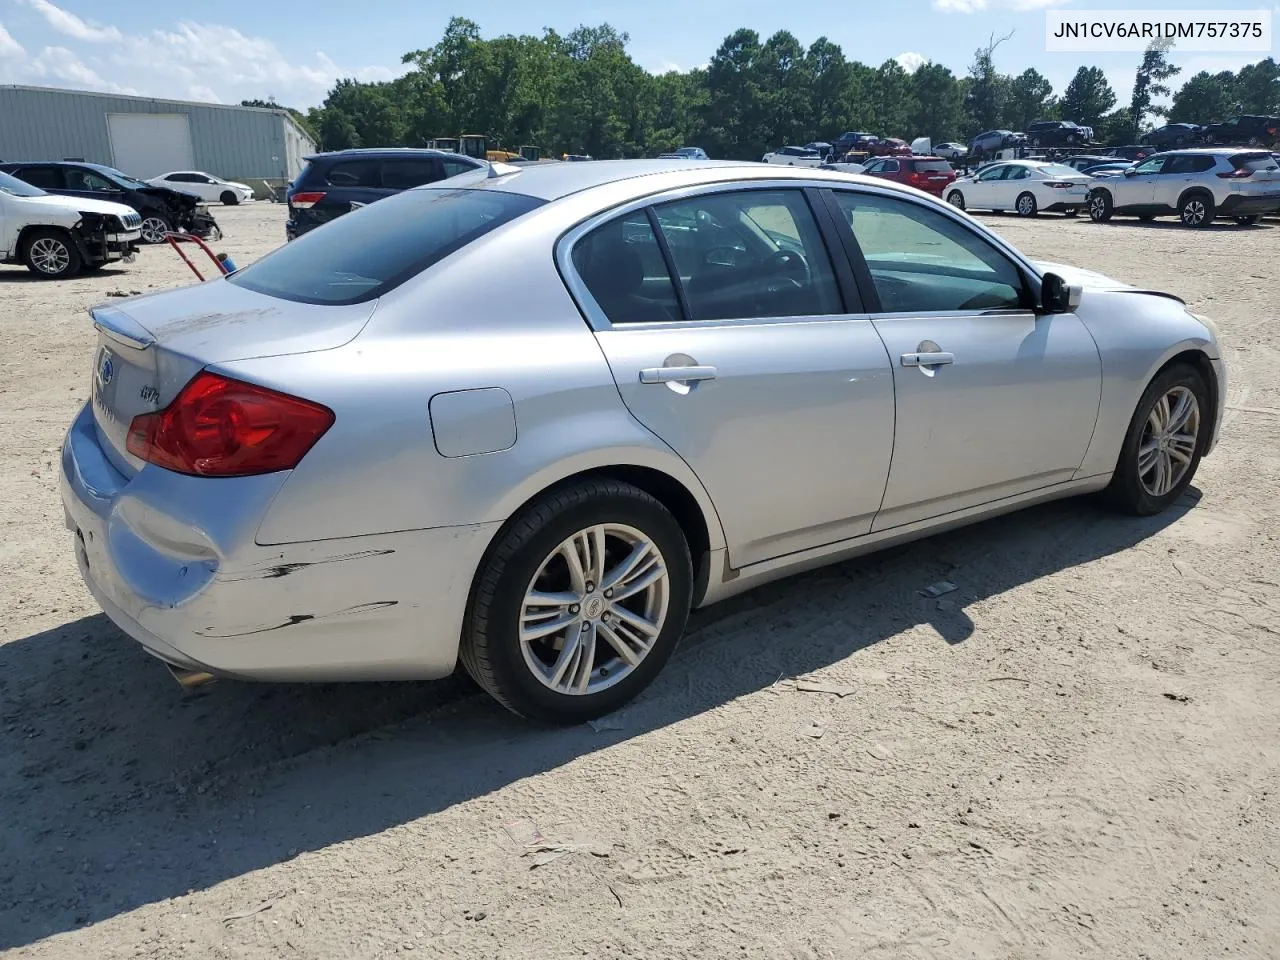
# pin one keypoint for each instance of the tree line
(582, 93)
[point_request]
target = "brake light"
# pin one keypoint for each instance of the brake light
(219, 427)
(914, 176)
(304, 201)
(1058, 184)
(1242, 173)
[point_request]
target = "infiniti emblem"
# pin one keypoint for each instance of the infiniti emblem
(106, 369)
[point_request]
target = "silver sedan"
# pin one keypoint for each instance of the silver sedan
(529, 419)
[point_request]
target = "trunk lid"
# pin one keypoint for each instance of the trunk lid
(149, 347)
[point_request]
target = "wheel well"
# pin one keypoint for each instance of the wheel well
(24, 235)
(1195, 192)
(1200, 361)
(668, 491)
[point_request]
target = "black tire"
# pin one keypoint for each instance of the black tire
(1101, 208)
(1126, 491)
(92, 267)
(229, 198)
(1026, 205)
(956, 199)
(153, 226)
(1196, 211)
(1248, 221)
(490, 648)
(51, 254)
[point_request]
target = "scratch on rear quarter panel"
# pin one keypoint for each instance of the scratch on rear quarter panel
(298, 618)
(284, 569)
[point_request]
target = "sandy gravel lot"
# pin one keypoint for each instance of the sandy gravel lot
(1078, 757)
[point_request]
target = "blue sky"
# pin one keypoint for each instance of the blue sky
(233, 49)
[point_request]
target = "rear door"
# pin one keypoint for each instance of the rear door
(751, 365)
(347, 183)
(47, 176)
(405, 173)
(1178, 173)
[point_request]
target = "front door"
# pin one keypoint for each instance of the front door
(1136, 189)
(82, 182)
(993, 399)
(750, 366)
(986, 186)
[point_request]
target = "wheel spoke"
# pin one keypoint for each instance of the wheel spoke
(584, 663)
(595, 541)
(632, 651)
(545, 627)
(637, 570)
(577, 575)
(1164, 474)
(1182, 412)
(1147, 454)
(567, 658)
(638, 623)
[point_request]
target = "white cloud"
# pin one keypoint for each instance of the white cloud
(9, 47)
(70, 25)
(59, 63)
(911, 62)
(959, 6)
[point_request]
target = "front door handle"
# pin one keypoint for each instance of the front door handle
(689, 374)
(927, 359)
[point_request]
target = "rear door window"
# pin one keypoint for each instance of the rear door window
(932, 166)
(362, 172)
(371, 251)
(624, 270)
(409, 172)
(454, 167)
(46, 178)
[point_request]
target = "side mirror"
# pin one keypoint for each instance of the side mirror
(1129, 171)
(1058, 296)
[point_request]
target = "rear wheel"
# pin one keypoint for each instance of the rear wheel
(1026, 205)
(1164, 444)
(51, 254)
(956, 199)
(229, 198)
(1100, 207)
(154, 227)
(579, 604)
(1197, 211)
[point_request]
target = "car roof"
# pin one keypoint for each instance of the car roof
(374, 152)
(554, 181)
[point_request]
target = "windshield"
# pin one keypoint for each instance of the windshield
(1059, 170)
(115, 174)
(367, 253)
(15, 187)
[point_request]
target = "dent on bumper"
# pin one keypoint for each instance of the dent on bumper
(379, 607)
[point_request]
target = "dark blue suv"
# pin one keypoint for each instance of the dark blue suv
(332, 184)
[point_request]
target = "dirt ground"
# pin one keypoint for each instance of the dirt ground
(1077, 754)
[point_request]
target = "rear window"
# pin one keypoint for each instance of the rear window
(1058, 170)
(933, 166)
(1254, 161)
(371, 251)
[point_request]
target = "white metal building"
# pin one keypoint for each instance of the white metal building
(145, 137)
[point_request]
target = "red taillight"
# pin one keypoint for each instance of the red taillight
(305, 200)
(1242, 174)
(219, 427)
(914, 177)
(1058, 184)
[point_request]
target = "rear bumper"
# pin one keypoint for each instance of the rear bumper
(1238, 205)
(198, 593)
(1065, 205)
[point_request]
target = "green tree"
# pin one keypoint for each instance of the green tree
(735, 109)
(1205, 98)
(1258, 88)
(892, 100)
(938, 104)
(1029, 98)
(1151, 82)
(829, 77)
(1088, 97)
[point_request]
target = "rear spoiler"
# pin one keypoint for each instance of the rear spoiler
(120, 327)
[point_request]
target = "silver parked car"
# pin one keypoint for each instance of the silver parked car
(530, 419)
(1196, 186)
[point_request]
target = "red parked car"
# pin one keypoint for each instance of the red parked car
(930, 174)
(889, 147)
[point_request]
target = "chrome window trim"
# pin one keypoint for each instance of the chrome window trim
(595, 316)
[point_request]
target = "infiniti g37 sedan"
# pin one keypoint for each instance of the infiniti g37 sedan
(528, 418)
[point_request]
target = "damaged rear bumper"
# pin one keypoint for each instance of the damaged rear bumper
(173, 563)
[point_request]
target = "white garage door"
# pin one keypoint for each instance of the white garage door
(149, 144)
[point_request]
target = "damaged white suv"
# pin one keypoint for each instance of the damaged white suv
(59, 237)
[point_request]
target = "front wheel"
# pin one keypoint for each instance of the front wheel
(1026, 205)
(1100, 207)
(956, 199)
(154, 228)
(229, 198)
(51, 254)
(1164, 444)
(579, 604)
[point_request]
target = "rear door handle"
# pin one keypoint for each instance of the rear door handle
(676, 374)
(927, 359)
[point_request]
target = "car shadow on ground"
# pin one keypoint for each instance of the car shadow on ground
(117, 790)
(22, 275)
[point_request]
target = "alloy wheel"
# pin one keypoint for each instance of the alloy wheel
(594, 609)
(1193, 213)
(1168, 445)
(154, 230)
(50, 256)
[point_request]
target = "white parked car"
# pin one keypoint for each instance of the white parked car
(58, 237)
(794, 157)
(207, 187)
(951, 151)
(1025, 186)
